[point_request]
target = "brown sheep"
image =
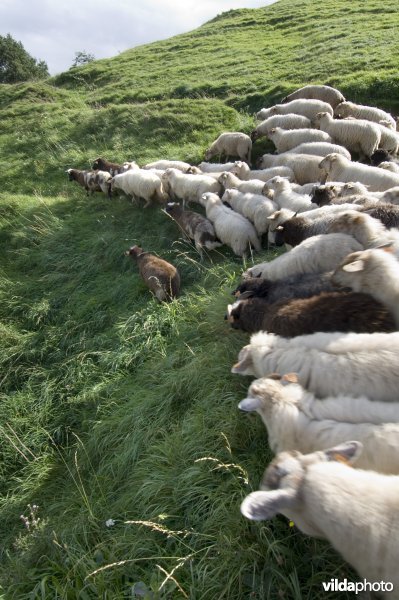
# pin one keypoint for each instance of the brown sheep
(105, 165)
(330, 311)
(161, 277)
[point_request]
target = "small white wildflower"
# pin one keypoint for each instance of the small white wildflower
(109, 523)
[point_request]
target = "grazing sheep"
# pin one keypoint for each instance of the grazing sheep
(330, 311)
(161, 277)
(374, 272)
(189, 188)
(339, 168)
(308, 108)
(319, 149)
(231, 181)
(291, 121)
(232, 229)
(168, 164)
(368, 113)
(305, 166)
(195, 226)
(303, 285)
(317, 92)
(254, 207)
(354, 510)
(358, 136)
(285, 140)
(139, 183)
(285, 197)
(231, 144)
(314, 255)
(286, 411)
(328, 364)
(104, 165)
(369, 232)
(242, 171)
(91, 181)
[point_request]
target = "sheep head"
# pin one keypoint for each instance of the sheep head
(282, 481)
(134, 252)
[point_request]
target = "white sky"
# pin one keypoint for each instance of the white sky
(53, 30)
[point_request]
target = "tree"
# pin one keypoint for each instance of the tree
(16, 64)
(82, 58)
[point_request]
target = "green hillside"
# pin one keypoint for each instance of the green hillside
(115, 407)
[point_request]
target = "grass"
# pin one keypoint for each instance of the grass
(115, 407)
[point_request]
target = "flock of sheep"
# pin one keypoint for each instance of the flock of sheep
(324, 316)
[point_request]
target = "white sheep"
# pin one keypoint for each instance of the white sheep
(287, 139)
(360, 111)
(374, 272)
(286, 411)
(168, 164)
(242, 170)
(319, 149)
(317, 92)
(231, 144)
(139, 184)
(254, 207)
(389, 138)
(285, 197)
(189, 188)
(207, 167)
(359, 136)
(328, 364)
(305, 166)
(314, 255)
(339, 168)
(367, 230)
(229, 180)
(231, 228)
(305, 107)
(354, 510)
(290, 121)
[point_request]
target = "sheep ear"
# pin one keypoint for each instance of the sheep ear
(261, 506)
(272, 217)
(250, 404)
(244, 361)
(346, 453)
(388, 247)
(356, 265)
(289, 378)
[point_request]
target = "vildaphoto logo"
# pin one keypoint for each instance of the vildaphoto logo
(335, 585)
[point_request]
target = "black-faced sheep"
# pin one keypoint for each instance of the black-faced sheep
(161, 277)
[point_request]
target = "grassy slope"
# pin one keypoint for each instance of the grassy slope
(110, 402)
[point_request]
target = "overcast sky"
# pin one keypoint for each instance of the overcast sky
(53, 30)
